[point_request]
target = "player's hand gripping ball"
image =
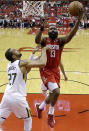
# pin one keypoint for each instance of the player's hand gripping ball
(75, 7)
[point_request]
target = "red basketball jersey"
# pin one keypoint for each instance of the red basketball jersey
(54, 54)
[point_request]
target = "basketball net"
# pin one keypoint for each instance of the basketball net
(32, 8)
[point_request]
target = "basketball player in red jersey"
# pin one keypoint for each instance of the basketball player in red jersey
(50, 74)
(43, 87)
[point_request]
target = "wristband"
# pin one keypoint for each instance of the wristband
(31, 56)
(42, 28)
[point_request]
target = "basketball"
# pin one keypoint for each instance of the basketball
(75, 7)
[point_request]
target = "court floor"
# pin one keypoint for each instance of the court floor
(71, 114)
(74, 92)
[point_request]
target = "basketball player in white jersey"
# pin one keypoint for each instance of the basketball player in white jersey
(14, 98)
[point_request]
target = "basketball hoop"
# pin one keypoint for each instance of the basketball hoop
(33, 8)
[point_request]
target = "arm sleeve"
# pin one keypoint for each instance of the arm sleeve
(32, 57)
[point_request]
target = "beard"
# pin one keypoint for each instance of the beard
(20, 54)
(53, 35)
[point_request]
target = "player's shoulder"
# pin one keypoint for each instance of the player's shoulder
(23, 63)
(61, 41)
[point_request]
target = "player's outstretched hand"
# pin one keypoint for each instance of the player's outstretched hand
(45, 22)
(36, 49)
(81, 11)
(66, 78)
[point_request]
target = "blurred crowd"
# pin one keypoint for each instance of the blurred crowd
(11, 14)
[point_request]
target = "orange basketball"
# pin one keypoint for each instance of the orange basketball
(75, 7)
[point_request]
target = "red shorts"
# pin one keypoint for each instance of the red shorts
(50, 75)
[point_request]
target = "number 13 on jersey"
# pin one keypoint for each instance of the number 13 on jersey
(52, 53)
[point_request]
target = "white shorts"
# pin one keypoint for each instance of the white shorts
(16, 104)
(43, 87)
(51, 87)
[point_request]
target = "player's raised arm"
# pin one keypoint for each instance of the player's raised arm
(70, 35)
(39, 38)
(40, 62)
(32, 57)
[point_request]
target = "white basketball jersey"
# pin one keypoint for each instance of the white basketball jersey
(16, 80)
